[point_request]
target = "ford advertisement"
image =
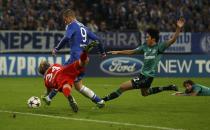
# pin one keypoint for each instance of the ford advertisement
(121, 66)
(25, 65)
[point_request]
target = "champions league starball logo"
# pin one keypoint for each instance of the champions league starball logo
(205, 43)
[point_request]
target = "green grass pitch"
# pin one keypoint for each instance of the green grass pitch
(160, 111)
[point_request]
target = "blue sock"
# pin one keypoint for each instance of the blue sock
(52, 93)
(96, 99)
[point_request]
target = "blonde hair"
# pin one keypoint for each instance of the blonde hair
(44, 65)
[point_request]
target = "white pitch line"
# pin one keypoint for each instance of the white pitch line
(91, 120)
(104, 85)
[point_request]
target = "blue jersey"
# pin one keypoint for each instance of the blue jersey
(77, 35)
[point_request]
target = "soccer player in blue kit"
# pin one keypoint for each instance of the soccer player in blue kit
(77, 36)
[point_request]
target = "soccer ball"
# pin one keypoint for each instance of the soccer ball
(34, 102)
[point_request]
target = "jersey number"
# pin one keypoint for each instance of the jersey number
(84, 34)
(49, 77)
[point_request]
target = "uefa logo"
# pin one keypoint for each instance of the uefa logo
(121, 66)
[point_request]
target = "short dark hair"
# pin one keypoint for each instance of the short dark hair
(69, 12)
(154, 33)
(188, 82)
(44, 65)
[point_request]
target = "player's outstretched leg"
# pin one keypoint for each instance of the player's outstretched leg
(100, 104)
(78, 83)
(123, 87)
(90, 94)
(87, 92)
(155, 90)
(66, 91)
(172, 87)
(47, 99)
(112, 95)
(73, 103)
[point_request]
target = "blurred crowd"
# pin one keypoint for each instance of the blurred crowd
(106, 15)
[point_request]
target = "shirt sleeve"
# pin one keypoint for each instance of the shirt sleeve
(94, 37)
(61, 43)
(70, 31)
(163, 46)
(196, 89)
(139, 49)
(68, 34)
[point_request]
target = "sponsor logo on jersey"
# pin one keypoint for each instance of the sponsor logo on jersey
(121, 66)
(149, 56)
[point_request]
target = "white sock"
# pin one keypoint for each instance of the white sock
(87, 92)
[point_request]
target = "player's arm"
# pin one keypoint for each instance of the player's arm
(100, 46)
(64, 40)
(180, 24)
(193, 93)
(128, 52)
(187, 94)
(61, 43)
(125, 52)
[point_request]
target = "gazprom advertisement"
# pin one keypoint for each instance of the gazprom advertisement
(25, 65)
(36, 41)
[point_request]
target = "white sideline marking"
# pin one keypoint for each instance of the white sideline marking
(91, 120)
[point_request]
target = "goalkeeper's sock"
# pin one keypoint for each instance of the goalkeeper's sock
(155, 90)
(112, 95)
(52, 94)
(89, 94)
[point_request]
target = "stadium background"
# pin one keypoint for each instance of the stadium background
(31, 28)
